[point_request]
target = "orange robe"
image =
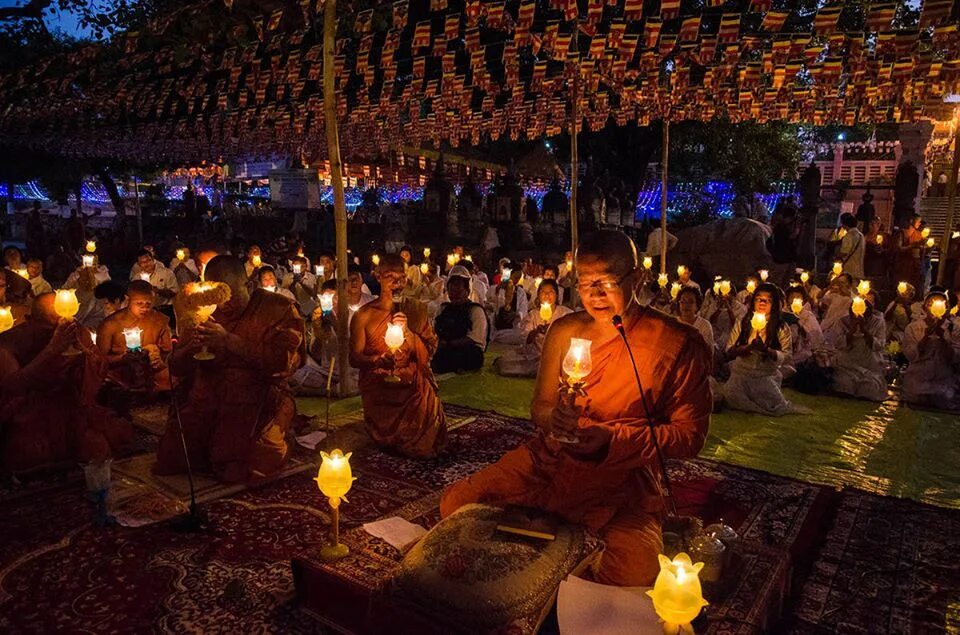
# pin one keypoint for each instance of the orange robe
(236, 409)
(405, 416)
(47, 409)
(156, 332)
(618, 496)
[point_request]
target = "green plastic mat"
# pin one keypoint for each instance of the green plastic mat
(886, 448)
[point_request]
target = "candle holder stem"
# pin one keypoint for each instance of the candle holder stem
(336, 551)
(204, 355)
(568, 392)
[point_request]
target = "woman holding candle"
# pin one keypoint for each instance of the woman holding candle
(759, 347)
(857, 342)
(183, 266)
(931, 346)
(722, 310)
(807, 340)
(902, 310)
(525, 359)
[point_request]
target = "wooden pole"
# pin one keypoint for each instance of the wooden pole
(574, 178)
(136, 193)
(664, 164)
(336, 179)
(951, 207)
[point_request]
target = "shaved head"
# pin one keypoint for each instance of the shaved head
(610, 246)
(140, 287)
(392, 262)
(226, 269)
(42, 309)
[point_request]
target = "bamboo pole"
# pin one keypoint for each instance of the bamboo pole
(664, 164)
(574, 178)
(951, 207)
(336, 179)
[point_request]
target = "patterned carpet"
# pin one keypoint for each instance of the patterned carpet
(59, 571)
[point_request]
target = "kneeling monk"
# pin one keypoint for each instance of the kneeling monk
(608, 479)
(47, 409)
(154, 339)
(404, 413)
(236, 408)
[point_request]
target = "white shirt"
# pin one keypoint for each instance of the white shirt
(852, 248)
(161, 279)
(40, 286)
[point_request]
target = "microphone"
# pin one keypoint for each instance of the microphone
(618, 324)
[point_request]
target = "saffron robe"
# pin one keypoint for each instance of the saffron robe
(113, 344)
(236, 409)
(617, 497)
(406, 416)
(47, 409)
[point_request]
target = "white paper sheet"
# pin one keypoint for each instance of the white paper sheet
(312, 439)
(598, 609)
(395, 531)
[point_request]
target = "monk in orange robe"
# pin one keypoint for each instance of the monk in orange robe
(608, 479)
(47, 410)
(154, 338)
(406, 416)
(235, 409)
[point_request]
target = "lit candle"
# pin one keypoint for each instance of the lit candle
(925, 233)
(297, 268)
(662, 280)
(681, 269)
(536, 282)
(93, 337)
(257, 261)
(764, 274)
(863, 287)
(716, 287)
(66, 304)
(88, 260)
(675, 290)
(300, 252)
(23, 273)
(452, 260)
(181, 255)
(426, 252)
(546, 311)
(955, 235)
(859, 306)
(804, 277)
(145, 276)
(468, 258)
(394, 337)
(319, 270)
(676, 594)
(938, 308)
(506, 274)
(930, 243)
(132, 338)
(758, 322)
(647, 262)
(375, 259)
(6, 319)
(796, 306)
(424, 268)
(955, 309)
(725, 287)
(326, 302)
(578, 363)
(751, 285)
(837, 268)
(569, 265)
(91, 246)
(879, 239)
(841, 232)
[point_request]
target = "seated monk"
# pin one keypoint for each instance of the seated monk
(406, 416)
(608, 479)
(47, 410)
(236, 408)
(154, 340)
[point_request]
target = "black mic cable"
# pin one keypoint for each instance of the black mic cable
(618, 324)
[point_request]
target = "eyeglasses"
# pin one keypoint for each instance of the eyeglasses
(606, 286)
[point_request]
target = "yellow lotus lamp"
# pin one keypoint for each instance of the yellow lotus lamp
(131, 338)
(716, 287)
(841, 232)
(675, 290)
(426, 252)
(647, 263)
(546, 311)
(23, 273)
(681, 269)
(938, 308)
(256, 261)
(88, 260)
(6, 319)
(570, 265)
(837, 268)
(955, 310)
(902, 288)
(181, 255)
(930, 243)
(424, 268)
(91, 246)
(764, 274)
(452, 260)
(863, 287)
(537, 281)
(751, 285)
(577, 364)
(199, 302)
(758, 322)
(796, 306)
(925, 233)
(468, 258)
(662, 280)
(804, 277)
(66, 305)
(297, 268)
(394, 339)
(879, 239)
(725, 287)
(375, 259)
(859, 307)
(676, 594)
(326, 302)
(334, 479)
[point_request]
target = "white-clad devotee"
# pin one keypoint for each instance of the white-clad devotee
(683, 277)
(164, 283)
(930, 345)
(759, 347)
(900, 312)
(836, 300)
(511, 307)
(302, 283)
(524, 360)
(857, 342)
(38, 283)
(722, 309)
(267, 280)
(688, 307)
(183, 266)
(461, 327)
(254, 260)
(805, 332)
(851, 246)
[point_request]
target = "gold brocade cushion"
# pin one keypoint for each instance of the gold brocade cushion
(464, 575)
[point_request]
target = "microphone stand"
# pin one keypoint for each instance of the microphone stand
(195, 519)
(618, 324)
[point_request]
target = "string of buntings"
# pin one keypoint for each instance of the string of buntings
(468, 71)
